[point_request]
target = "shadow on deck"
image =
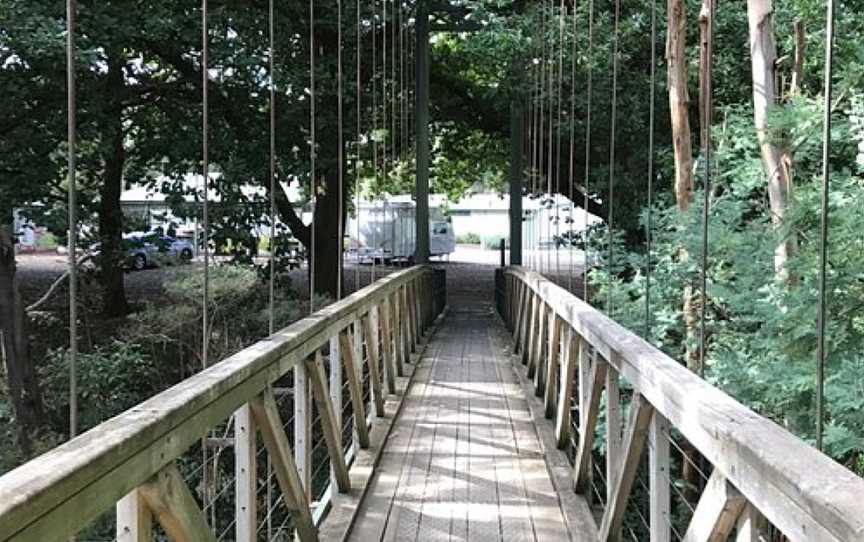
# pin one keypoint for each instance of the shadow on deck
(466, 459)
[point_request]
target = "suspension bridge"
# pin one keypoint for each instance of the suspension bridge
(422, 407)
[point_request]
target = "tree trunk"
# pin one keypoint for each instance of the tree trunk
(763, 55)
(112, 255)
(679, 105)
(327, 251)
(679, 102)
(21, 376)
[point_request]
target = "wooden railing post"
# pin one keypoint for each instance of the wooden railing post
(590, 412)
(334, 358)
(613, 430)
(518, 315)
(370, 333)
(134, 520)
(408, 329)
(572, 355)
(246, 475)
(539, 341)
(383, 317)
(751, 526)
(659, 479)
(531, 328)
(552, 385)
(396, 326)
(355, 388)
(303, 429)
(331, 429)
(169, 499)
(625, 472)
(717, 511)
(294, 493)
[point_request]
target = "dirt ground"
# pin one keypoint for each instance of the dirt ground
(470, 277)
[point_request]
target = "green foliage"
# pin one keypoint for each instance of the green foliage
(493, 242)
(761, 329)
(111, 379)
(468, 238)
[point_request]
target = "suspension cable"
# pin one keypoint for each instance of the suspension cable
(589, 91)
(373, 76)
(549, 148)
(706, 196)
(612, 137)
(72, 112)
(272, 283)
(357, 157)
(648, 221)
(312, 154)
(558, 150)
(823, 227)
(571, 169)
(339, 150)
(205, 169)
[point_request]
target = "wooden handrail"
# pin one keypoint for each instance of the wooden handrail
(60, 492)
(802, 492)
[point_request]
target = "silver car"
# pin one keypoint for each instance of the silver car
(148, 250)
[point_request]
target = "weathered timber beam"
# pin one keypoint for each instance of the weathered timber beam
(635, 435)
(717, 511)
(172, 504)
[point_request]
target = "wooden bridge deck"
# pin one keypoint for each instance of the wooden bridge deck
(464, 460)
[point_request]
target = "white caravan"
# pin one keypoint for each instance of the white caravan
(387, 232)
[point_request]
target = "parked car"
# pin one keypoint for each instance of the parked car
(147, 250)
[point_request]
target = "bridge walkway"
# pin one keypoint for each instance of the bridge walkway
(464, 460)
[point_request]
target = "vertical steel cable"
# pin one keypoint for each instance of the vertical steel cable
(706, 196)
(271, 323)
(312, 153)
(72, 112)
(558, 150)
(393, 94)
(340, 137)
(272, 285)
(384, 122)
(612, 136)
(549, 149)
(572, 167)
(648, 224)
(589, 92)
(205, 169)
(374, 212)
(357, 160)
(821, 353)
(541, 107)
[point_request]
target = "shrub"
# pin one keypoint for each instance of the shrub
(468, 238)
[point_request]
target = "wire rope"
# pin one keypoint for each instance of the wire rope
(589, 91)
(706, 196)
(72, 113)
(571, 169)
(649, 217)
(821, 347)
(358, 157)
(340, 139)
(557, 238)
(205, 211)
(312, 155)
(612, 137)
(271, 324)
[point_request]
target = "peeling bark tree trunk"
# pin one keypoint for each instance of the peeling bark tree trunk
(794, 89)
(763, 55)
(20, 374)
(114, 301)
(679, 102)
